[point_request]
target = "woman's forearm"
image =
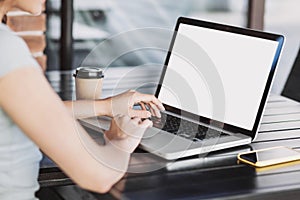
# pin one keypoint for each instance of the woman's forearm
(102, 167)
(89, 108)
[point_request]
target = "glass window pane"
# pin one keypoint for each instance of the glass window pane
(97, 21)
(284, 17)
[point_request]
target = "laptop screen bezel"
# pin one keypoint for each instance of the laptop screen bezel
(230, 29)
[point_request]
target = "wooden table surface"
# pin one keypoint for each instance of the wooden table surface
(216, 176)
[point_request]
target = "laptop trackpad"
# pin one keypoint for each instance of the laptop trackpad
(157, 140)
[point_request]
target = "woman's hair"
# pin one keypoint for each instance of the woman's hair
(4, 19)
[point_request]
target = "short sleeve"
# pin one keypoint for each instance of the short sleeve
(14, 53)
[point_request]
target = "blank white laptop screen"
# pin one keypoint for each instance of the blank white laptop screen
(243, 64)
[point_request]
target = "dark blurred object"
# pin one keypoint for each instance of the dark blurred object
(256, 13)
(4, 19)
(66, 41)
(97, 15)
(292, 86)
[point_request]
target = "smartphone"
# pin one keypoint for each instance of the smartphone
(269, 156)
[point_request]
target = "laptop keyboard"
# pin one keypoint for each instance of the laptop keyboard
(185, 129)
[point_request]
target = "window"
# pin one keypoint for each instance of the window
(283, 17)
(97, 21)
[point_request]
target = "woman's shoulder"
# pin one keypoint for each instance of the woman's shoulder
(9, 40)
(14, 52)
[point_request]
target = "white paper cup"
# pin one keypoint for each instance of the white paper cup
(88, 82)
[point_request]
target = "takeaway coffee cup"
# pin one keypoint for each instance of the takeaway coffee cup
(88, 82)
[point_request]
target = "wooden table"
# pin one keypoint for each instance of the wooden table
(218, 175)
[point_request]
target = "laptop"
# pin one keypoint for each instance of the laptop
(214, 86)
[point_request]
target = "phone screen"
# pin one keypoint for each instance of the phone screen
(278, 155)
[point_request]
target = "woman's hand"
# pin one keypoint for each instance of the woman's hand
(125, 133)
(123, 104)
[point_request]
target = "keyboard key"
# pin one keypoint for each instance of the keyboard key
(185, 129)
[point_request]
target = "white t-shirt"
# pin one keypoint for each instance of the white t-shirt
(19, 156)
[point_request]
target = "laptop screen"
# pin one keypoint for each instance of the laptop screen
(239, 64)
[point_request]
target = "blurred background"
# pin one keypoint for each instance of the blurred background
(98, 20)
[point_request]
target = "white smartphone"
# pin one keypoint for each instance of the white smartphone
(269, 156)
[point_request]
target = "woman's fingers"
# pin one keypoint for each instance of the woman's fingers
(139, 97)
(143, 106)
(136, 120)
(123, 105)
(146, 123)
(130, 132)
(154, 110)
(144, 114)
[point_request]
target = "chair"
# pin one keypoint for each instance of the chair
(292, 85)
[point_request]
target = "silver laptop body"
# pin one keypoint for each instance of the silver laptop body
(216, 76)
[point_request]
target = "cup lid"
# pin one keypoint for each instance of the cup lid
(88, 72)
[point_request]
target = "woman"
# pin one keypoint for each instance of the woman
(32, 116)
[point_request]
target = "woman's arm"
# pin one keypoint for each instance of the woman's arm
(121, 104)
(89, 108)
(29, 100)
